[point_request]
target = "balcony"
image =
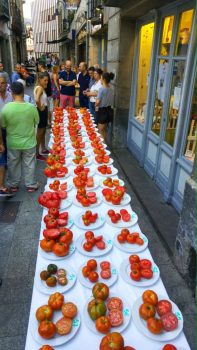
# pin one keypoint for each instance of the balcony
(4, 11)
(95, 12)
(17, 24)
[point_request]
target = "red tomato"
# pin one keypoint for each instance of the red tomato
(105, 274)
(91, 240)
(47, 329)
(123, 212)
(135, 266)
(46, 347)
(100, 245)
(135, 275)
(86, 271)
(105, 265)
(154, 325)
(98, 238)
(103, 324)
(124, 231)
(121, 239)
(128, 348)
(131, 238)
(93, 276)
(89, 234)
(169, 347)
(54, 212)
(112, 341)
(145, 264)
(169, 321)
(147, 310)
(149, 296)
(48, 217)
(147, 273)
(163, 307)
(126, 217)
(87, 246)
(134, 258)
(139, 241)
(92, 264)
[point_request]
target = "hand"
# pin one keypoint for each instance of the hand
(2, 148)
(61, 81)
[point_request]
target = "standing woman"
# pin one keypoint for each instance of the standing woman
(92, 94)
(104, 103)
(40, 98)
(55, 86)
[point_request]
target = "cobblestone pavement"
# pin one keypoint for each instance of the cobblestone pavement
(18, 250)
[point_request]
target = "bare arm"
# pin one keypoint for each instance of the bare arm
(91, 93)
(97, 103)
(55, 77)
(39, 92)
(67, 82)
(2, 148)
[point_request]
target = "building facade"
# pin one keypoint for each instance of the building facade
(12, 33)
(45, 27)
(29, 39)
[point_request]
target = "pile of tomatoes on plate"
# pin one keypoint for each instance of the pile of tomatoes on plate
(53, 276)
(157, 313)
(106, 312)
(140, 268)
(109, 182)
(52, 199)
(56, 186)
(44, 315)
(115, 217)
(114, 196)
(89, 270)
(82, 180)
(102, 158)
(57, 241)
(86, 198)
(55, 219)
(104, 169)
(89, 218)
(93, 241)
(125, 236)
(78, 144)
(116, 340)
(80, 169)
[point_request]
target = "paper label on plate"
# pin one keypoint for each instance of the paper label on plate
(114, 271)
(178, 315)
(71, 277)
(126, 312)
(109, 241)
(71, 248)
(75, 323)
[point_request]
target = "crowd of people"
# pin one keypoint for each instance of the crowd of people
(24, 120)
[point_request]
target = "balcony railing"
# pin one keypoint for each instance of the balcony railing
(4, 10)
(95, 12)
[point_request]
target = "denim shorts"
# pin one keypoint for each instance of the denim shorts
(3, 155)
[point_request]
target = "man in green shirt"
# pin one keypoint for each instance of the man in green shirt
(20, 119)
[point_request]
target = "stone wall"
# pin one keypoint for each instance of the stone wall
(185, 246)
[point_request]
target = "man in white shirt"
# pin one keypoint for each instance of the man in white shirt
(5, 97)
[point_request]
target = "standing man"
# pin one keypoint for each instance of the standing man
(67, 81)
(16, 74)
(5, 97)
(20, 119)
(83, 81)
(4, 73)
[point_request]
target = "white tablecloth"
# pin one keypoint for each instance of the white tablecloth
(85, 339)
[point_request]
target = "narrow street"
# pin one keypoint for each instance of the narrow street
(19, 244)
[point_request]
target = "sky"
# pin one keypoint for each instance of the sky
(27, 9)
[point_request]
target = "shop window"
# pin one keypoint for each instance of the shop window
(190, 146)
(175, 99)
(184, 32)
(160, 95)
(145, 51)
(167, 35)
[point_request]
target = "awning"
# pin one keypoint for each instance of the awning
(66, 39)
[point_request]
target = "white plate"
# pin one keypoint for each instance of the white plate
(90, 173)
(131, 248)
(87, 153)
(125, 274)
(121, 182)
(124, 201)
(114, 172)
(65, 203)
(141, 324)
(69, 225)
(58, 339)
(86, 164)
(43, 288)
(78, 204)
(121, 223)
(79, 222)
(60, 178)
(69, 185)
(52, 256)
(86, 283)
(109, 163)
(95, 251)
(91, 324)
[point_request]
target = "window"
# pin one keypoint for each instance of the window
(40, 35)
(53, 34)
(190, 146)
(145, 51)
(46, 36)
(184, 33)
(167, 36)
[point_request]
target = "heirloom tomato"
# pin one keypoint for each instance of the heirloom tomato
(134, 258)
(169, 347)
(149, 296)
(169, 321)
(56, 301)
(100, 290)
(44, 312)
(145, 264)
(46, 347)
(96, 308)
(92, 264)
(103, 324)
(146, 311)
(60, 249)
(47, 244)
(93, 276)
(154, 325)
(112, 341)
(147, 273)
(47, 329)
(86, 271)
(163, 307)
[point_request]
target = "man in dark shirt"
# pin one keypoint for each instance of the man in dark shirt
(83, 81)
(67, 80)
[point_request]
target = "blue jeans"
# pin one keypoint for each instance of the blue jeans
(3, 155)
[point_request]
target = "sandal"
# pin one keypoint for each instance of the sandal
(45, 151)
(14, 189)
(5, 192)
(32, 189)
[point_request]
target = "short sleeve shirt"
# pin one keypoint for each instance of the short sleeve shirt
(83, 81)
(67, 90)
(95, 88)
(106, 97)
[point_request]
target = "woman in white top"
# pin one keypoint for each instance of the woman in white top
(92, 94)
(40, 98)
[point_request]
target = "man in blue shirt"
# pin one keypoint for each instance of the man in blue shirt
(67, 80)
(16, 74)
(83, 81)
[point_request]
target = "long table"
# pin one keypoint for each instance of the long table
(85, 339)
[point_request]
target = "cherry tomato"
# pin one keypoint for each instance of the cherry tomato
(93, 276)
(124, 232)
(135, 275)
(121, 239)
(131, 238)
(87, 246)
(111, 212)
(134, 258)
(86, 271)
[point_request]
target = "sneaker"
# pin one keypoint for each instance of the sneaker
(32, 189)
(14, 189)
(45, 151)
(40, 157)
(6, 192)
